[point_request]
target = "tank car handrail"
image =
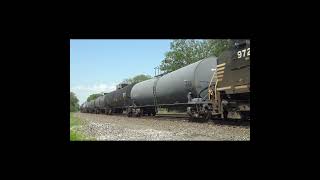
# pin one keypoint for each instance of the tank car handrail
(202, 91)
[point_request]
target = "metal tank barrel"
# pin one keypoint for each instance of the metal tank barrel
(174, 87)
(121, 97)
(98, 103)
(142, 93)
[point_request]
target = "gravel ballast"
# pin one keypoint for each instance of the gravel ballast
(122, 128)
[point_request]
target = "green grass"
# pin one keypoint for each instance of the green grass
(73, 120)
(75, 135)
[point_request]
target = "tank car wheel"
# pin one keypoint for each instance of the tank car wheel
(138, 114)
(245, 116)
(191, 119)
(225, 115)
(207, 117)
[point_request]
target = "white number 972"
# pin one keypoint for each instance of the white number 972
(243, 53)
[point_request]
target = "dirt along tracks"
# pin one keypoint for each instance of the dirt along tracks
(115, 128)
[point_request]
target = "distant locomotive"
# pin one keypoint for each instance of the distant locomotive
(212, 87)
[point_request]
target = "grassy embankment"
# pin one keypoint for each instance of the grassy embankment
(74, 134)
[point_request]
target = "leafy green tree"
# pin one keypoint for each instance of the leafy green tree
(187, 51)
(93, 97)
(217, 46)
(137, 79)
(74, 106)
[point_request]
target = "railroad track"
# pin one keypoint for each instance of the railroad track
(215, 121)
(172, 115)
(186, 118)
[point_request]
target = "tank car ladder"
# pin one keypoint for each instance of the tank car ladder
(155, 102)
(214, 95)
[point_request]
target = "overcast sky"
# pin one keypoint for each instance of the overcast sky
(99, 65)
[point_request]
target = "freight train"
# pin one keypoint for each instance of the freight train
(207, 89)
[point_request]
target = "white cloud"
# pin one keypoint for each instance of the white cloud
(84, 91)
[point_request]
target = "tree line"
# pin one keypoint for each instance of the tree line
(187, 51)
(74, 102)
